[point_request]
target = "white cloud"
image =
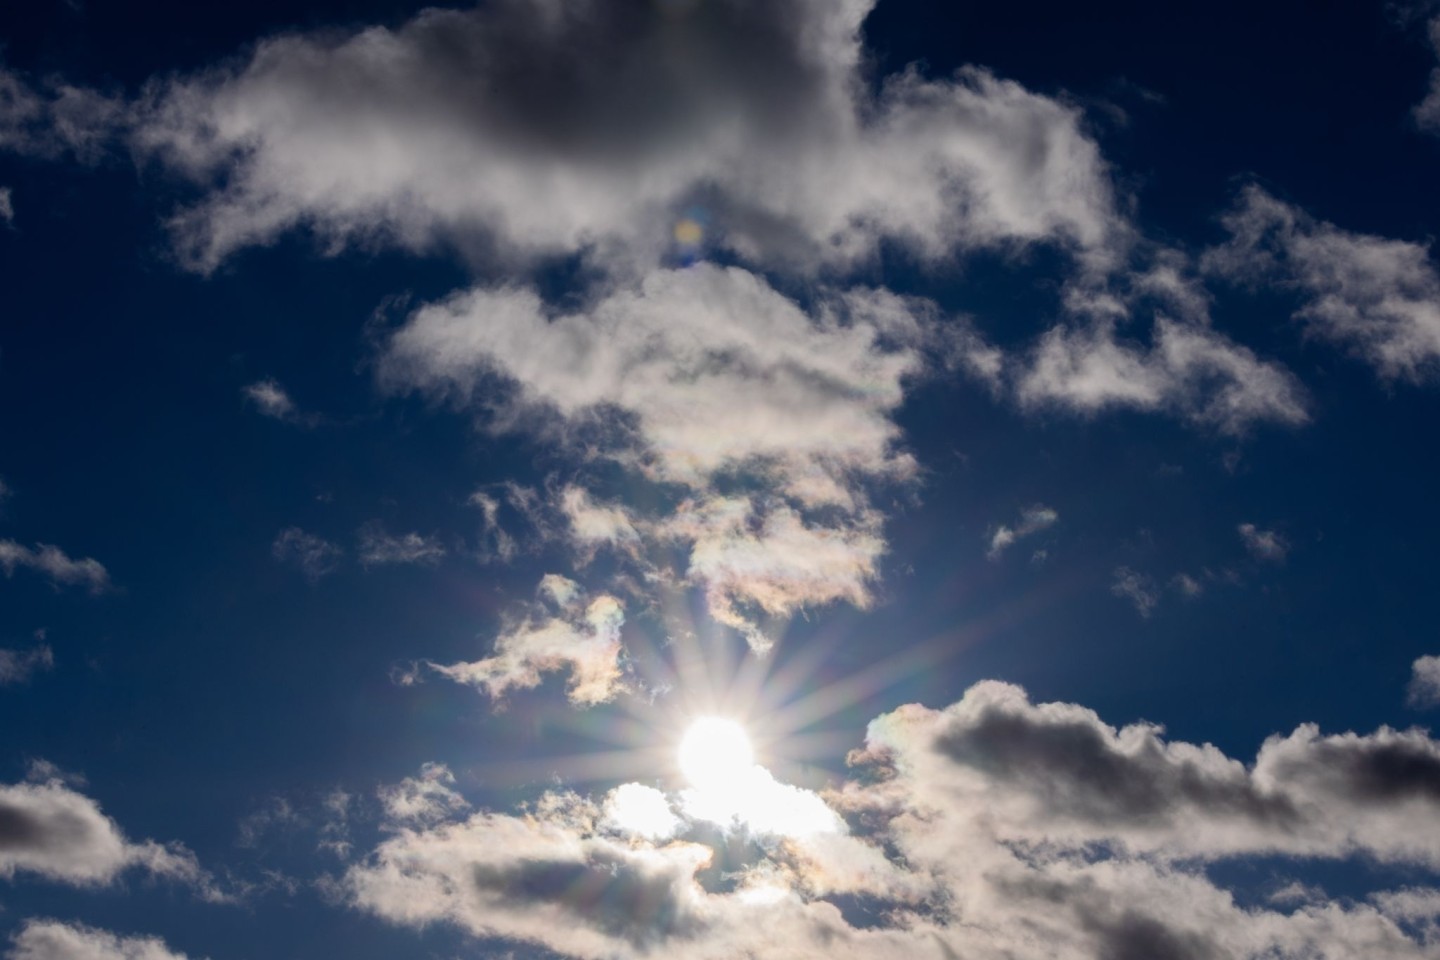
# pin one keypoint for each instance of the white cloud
(54, 563)
(587, 126)
(56, 940)
(7, 208)
(274, 401)
(569, 632)
(995, 828)
(1032, 520)
(705, 374)
(1424, 689)
(314, 555)
(1138, 588)
(1263, 544)
(1379, 298)
(428, 798)
(50, 830)
(18, 666)
(635, 810)
(378, 547)
(1188, 369)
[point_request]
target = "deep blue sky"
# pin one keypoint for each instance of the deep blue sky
(212, 678)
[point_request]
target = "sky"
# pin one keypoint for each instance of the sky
(614, 479)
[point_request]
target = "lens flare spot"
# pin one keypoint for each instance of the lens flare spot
(689, 233)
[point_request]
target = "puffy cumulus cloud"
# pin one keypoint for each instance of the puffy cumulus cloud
(551, 128)
(62, 569)
(1263, 544)
(314, 556)
(568, 631)
(378, 548)
(610, 879)
(1055, 774)
(994, 828)
(768, 419)
(1032, 520)
(1424, 688)
(1378, 297)
(50, 830)
(18, 666)
(56, 940)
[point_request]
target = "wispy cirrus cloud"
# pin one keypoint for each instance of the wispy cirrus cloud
(56, 564)
(1032, 521)
(379, 548)
(18, 666)
(1427, 111)
(1136, 587)
(1264, 544)
(314, 556)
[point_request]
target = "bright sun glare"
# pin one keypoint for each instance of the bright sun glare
(715, 753)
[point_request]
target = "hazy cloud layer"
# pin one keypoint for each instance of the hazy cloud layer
(1378, 298)
(56, 940)
(995, 828)
(50, 830)
(56, 564)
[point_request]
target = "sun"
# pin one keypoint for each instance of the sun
(715, 753)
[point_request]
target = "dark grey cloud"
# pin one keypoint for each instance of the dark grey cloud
(625, 898)
(1077, 769)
